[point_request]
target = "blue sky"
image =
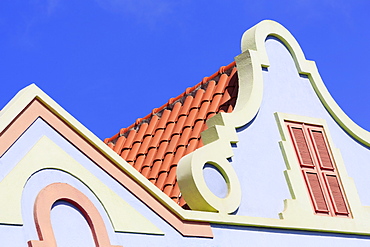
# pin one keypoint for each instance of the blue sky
(108, 62)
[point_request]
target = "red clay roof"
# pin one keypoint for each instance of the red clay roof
(153, 145)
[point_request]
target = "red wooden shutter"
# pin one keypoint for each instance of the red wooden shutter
(317, 193)
(322, 150)
(336, 195)
(330, 174)
(318, 168)
(304, 155)
(312, 178)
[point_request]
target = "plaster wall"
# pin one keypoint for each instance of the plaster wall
(78, 233)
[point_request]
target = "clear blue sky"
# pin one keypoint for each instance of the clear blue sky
(108, 62)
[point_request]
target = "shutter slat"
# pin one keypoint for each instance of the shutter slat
(317, 194)
(302, 147)
(337, 195)
(322, 150)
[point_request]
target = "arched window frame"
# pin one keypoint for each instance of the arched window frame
(65, 192)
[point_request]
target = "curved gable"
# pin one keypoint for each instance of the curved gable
(222, 132)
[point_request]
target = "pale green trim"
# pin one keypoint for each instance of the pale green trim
(45, 154)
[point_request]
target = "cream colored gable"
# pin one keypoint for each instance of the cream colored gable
(221, 133)
(48, 155)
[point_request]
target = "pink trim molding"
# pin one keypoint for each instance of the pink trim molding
(65, 192)
(37, 109)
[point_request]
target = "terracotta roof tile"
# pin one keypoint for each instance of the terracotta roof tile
(127, 145)
(118, 147)
(155, 144)
(136, 143)
(175, 191)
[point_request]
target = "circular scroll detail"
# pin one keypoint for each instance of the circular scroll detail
(196, 192)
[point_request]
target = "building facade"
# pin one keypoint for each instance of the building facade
(257, 154)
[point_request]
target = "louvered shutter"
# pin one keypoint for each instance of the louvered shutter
(316, 192)
(337, 195)
(322, 150)
(312, 177)
(301, 146)
(318, 168)
(330, 174)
